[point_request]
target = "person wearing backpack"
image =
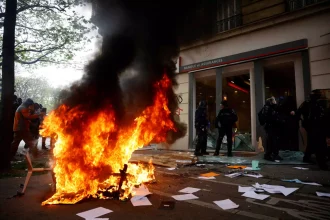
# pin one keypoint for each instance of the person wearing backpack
(314, 122)
(225, 120)
(269, 118)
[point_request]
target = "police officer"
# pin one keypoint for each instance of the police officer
(272, 126)
(201, 124)
(313, 121)
(224, 122)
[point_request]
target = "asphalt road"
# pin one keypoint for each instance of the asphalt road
(302, 204)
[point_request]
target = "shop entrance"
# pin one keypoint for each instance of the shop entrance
(279, 80)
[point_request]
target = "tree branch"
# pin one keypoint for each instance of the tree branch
(41, 50)
(48, 7)
(36, 60)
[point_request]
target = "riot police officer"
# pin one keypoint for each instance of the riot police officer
(201, 124)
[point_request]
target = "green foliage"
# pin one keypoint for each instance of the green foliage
(48, 31)
(38, 89)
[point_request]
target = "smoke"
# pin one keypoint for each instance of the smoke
(140, 42)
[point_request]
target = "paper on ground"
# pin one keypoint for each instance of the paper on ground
(243, 189)
(141, 191)
(189, 190)
(253, 175)
(301, 168)
(206, 178)
(275, 189)
(226, 204)
(143, 201)
(93, 213)
(184, 197)
(233, 175)
(298, 181)
(172, 168)
(253, 195)
(323, 194)
(210, 174)
(199, 165)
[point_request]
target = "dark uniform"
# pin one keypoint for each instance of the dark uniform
(314, 122)
(201, 124)
(273, 124)
(224, 122)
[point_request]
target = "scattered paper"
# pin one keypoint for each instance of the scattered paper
(206, 178)
(226, 204)
(275, 189)
(189, 190)
(301, 168)
(253, 195)
(251, 168)
(236, 167)
(141, 191)
(233, 175)
(253, 175)
(94, 213)
(183, 161)
(199, 165)
(184, 197)
(298, 181)
(167, 205)
(210, 174)
(172, 168)
(142, 201)
(323, 194)
(277, 161)
(243, 189)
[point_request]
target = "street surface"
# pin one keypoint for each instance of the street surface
(302, 204)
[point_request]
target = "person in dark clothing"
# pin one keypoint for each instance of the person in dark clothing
(288, 131)
(201, 124)
(313, 121)
(273, 124)
(225, 120)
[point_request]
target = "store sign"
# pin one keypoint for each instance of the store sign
(202, 64)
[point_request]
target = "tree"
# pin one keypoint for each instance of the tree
(41, 37)
(38, 89)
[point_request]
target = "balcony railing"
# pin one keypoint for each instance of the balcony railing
(228, 23)
(298, 4)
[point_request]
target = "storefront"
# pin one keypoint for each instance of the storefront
(285, 61)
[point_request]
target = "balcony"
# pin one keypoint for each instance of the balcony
(293, 5)
(228, 23)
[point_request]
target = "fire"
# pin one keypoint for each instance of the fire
(91, 149)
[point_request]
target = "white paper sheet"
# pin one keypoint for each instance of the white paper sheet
(275, 189)
(199, 165)
(301, 168)
(143, 201)
(252, 175)
(93, 213)
(253, 195)
(287, 191)
(243, 189)
(233, 175)
(305, 183)
(184, 197)
(141, 191)
(172, 168)
(323, 194)
(226, 204)
(189, 190)
(206, 178)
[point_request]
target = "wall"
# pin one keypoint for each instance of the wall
(312, 28)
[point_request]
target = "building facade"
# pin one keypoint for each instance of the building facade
(257, 49)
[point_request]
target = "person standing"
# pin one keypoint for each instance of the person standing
(225, 120)
(201, 124)
(21, 126)
(272, 124)
(314, 122)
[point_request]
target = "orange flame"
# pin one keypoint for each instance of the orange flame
(91, 149)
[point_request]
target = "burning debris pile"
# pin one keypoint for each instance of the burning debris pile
(124, 102)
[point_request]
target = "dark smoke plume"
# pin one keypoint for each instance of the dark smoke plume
(140, 42)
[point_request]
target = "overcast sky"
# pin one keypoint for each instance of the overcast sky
(64, 76)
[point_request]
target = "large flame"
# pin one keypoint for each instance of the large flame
(91, 148)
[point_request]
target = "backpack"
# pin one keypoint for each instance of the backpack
(262, 117)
